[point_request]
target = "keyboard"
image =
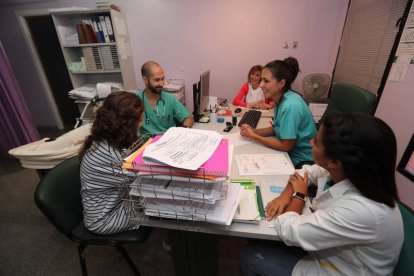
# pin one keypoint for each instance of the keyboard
(251, 118)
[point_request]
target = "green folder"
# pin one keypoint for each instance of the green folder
(260, 202)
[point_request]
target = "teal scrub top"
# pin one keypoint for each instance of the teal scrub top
(167, 112)
(293, 120)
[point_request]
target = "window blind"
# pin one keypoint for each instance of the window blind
(368, 37)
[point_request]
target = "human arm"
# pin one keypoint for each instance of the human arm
(189, 121)
(278, 205)
(298, 184)
(335, 225)
(240, 98)
(260, 136)
(181, 113)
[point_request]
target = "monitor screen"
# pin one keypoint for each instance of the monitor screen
(204, 91)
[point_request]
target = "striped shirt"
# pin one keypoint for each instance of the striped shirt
(104, 210)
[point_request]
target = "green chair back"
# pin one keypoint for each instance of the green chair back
(349, 98)
(405, 265)
(58, 195)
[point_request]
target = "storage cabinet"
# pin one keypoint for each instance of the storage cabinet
(90, 63)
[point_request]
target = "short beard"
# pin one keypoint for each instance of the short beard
(153, 89)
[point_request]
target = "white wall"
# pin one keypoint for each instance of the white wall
(188, 37)
(396, 109)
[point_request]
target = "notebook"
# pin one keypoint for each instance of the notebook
(216, 166)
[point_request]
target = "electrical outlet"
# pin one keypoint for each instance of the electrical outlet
(286, 45)
(295, 44)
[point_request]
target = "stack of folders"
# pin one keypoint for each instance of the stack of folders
(182, 175)
(101, 58)
(92, 58)
(109, 56)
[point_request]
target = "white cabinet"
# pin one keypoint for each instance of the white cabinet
(108, 61)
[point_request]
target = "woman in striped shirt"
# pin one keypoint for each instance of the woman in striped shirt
(115, 128)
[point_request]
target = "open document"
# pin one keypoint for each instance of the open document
(183, 148)
(264, 164)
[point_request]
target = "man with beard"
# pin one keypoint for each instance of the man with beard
(162, 109)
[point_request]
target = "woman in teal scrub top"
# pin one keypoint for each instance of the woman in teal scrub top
(293, 122)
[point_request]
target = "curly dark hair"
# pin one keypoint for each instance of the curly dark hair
(116, 121)
(367, 149)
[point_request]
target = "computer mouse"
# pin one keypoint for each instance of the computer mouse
(237, 110)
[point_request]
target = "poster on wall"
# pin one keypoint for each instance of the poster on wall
(405, 51)
(406, 45)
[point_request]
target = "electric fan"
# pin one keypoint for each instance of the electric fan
(316, 87)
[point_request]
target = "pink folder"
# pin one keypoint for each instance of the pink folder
(216, 166)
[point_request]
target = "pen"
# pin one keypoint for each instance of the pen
(271, 123)
(168, 184)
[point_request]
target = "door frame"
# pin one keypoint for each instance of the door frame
(48, 94)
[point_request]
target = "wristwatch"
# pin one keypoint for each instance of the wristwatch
(299, 196)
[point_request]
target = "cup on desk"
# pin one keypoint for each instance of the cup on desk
(213, 117)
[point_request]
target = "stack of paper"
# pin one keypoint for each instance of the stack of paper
(183, 153)
(173, 189)
(84, 92)
(220, 213)
(182, 174)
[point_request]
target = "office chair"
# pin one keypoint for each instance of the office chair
(405, 265)
(349, 98)
(58, 197)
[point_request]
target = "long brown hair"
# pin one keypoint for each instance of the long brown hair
(116, 121)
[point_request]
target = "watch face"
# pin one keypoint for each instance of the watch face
(299, 195)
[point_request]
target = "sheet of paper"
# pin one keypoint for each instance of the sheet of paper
(235, 139)
(263, 164)
(271, 189)
(248, 211)
(183, 148)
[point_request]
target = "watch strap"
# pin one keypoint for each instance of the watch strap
(299, 196)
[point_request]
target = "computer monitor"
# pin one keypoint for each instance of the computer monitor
(204, 91)
(201, 95)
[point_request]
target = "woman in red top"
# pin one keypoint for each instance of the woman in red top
(250, 94)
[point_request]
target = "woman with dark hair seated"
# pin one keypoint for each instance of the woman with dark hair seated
(293, 125)
(353, 226)
(114, 129)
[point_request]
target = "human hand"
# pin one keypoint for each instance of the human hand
(246, 131)
(277, 206)
(299, 183)
(262, 105)
(254, 105)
